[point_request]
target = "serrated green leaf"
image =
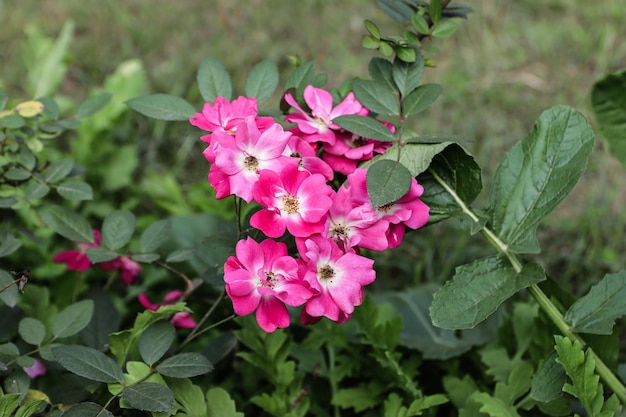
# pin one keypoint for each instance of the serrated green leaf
(219, 404)
(360, 398)
(93, 105)
(608, 98)
(407, 75)
(377, 96)
(36, 190)
(366, 127)
(88, 363)
(445, 29)
(73, 318)
(380, 70)
(117, 229)
(597, 311)
(149, 396)
(213, 80)
(155, 235)
(67, 223)
(387, 181)
(262, 81)
(477, 290)
(420, 99)
(162, 107)
(97, 255)
(185, 365)
(58, 170)
(190, 397)
(31, 330)
(494, 407)
(537, 174)
(87, 409)
(548, 382)
(75, 190)
(155, 341)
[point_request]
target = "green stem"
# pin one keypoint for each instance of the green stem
(333, 384)
(540, 297)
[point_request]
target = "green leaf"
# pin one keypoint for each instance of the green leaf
(87, 409)
(494, 407)
(17, 174)
(387, 181)
(189, 396)
(406, 54)
(149, 396)
(477, 290)
(407, 75)
(75, 190)
(155, 235)
(72, 319)
(537, 174)
(97, 255)
(434, 11)
(372, 29)
(105, 320)
(181, 255)
(12, 121)
(8, 296)
(380, 71)
(597, 311)
(360, 398)
(213, 80)
(301, 77)
(548, 382)
(67, 223)
(29, 407)
(365, 127)
(8, 404)
(36, 190)
(117, 229)
(608, 98)
(50, 68)
(88, 363)
(445, 29)
(369, 42)
(460, 174)
(185, 365)
(58, 170)
(420, 24)
(162, 107)
(155, 341)
(9, 245)
(146, 258)
(262, 81)
(32, 330)
(219, 404)
(420, 99)
(377, 96)
(93, 105)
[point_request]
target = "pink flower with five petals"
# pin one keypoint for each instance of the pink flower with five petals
(77, 260)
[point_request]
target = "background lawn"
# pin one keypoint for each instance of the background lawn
(510, 61)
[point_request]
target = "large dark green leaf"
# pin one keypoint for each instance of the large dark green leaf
(548, 382)
(87, 410)
(32, 330)
(597, 311)
(58, 170)
(155, 341)
(537, 174)
(75, 190)
(105, 320)
(380, 70)
(149, 396)
(185, 365)
(477, 290)
(366, 127)
(88, 363)
(213, 80)
(608, 99)
(67, 223)
(407, 75)
(387, 181)
(72, 319)
(459, 172)
(162, 107)
(377, 96)
(262, 81)
(117, 229)
(155, 235)
(420, 98)
(303, 76)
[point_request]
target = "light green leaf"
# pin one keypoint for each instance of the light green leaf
(262, 81)
(75, 190)
(387, 181)
(494, 407)
(377, 96)
(189, 396)
(58, 170)
(360, 398)
(155, 235)
(88, 363)
(67, 223)
(93, 105)
(420, 98)
(73, 318)
(420, 24)
(213, 80)
(8, 404)
(50, 70)
(366, 127)
(537, 174)
(219, 404)
(597, 311)
(117, 229)
(477, 290)
(97, 255)
(149, 396)
(29, 407)
(155, 341)
(445, 29)
(31, 330)
(407, 75)
(162, 107)
(608, 99)
(185, 365)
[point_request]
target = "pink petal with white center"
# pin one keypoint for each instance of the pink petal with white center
(320, 102)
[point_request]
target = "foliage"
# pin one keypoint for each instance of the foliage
(78, 341)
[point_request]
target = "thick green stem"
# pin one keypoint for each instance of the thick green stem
(540, 297)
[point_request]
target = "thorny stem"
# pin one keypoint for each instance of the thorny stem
(540, 297)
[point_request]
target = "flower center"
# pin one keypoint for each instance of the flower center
(357, 142)
(290, 204)
(326, 273)
(385, 208)
(251, 163)
(270, 280)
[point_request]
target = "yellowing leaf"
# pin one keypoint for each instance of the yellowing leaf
(37, 395)
(29, 108)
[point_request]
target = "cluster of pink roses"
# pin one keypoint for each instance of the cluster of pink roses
(287, 174)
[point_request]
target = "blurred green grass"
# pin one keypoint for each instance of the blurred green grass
(509, 61)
